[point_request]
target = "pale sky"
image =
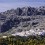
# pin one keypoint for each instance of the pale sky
(9, 4)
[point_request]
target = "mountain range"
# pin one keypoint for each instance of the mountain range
(23, 19)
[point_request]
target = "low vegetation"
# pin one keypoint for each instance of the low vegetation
(32, 40)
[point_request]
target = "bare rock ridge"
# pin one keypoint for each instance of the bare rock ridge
(21, 20)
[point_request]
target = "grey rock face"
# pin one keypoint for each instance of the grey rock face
(14, 17)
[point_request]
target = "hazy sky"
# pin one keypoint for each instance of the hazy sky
(8, 4)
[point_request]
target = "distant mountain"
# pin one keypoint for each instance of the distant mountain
(25, 11)
(21, 17)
